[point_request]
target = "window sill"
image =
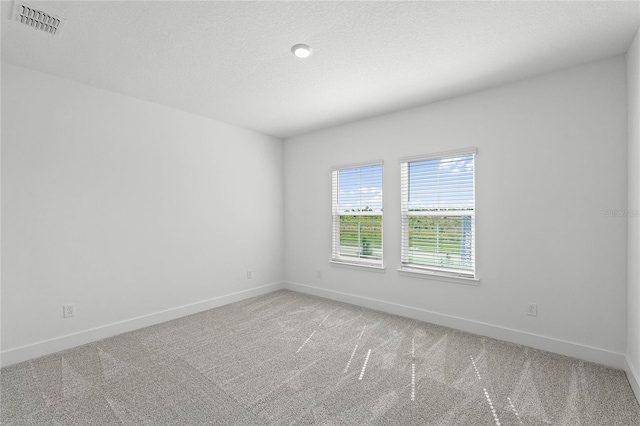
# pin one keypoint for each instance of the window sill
(427, 275)
(361, 266)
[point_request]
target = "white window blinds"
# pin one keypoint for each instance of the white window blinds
(438, 214)
(357, 214)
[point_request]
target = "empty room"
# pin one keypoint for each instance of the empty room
(320, 213)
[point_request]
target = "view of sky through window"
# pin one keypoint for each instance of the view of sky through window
(441, 184)
(361, 189)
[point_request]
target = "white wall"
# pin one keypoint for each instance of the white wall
(551, 160)
(126, 208)
(633, 297)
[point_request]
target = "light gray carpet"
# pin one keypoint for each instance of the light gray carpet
(291, 359)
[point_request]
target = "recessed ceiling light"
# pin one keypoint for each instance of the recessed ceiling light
(301, 50)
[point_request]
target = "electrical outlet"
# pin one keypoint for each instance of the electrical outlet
(532, 309)
(68, 311)
(249, 274)
(319, 273)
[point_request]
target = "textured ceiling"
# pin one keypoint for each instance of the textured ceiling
(231, 61)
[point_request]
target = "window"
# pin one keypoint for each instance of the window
(357, 214)
(438, 214)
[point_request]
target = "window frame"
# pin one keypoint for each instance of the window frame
(439, 273)
(345, 261)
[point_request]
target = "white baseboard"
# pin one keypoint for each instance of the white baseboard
(562, 347)
(633, 377)
(24, 353)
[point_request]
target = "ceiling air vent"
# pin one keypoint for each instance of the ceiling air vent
(37, 19)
